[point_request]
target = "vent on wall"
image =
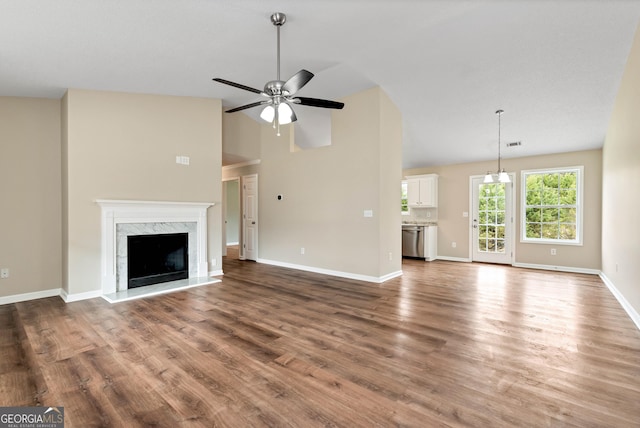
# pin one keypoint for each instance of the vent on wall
(514, 144)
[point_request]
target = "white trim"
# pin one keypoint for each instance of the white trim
(579, 206)
(241, 164)
(557, 268)
(454, 259)
(633, 314)
(130, 211)
(216, 272)
(68, 298)
(30, 296)
(233, 243)
(512, 228)
(340, 274)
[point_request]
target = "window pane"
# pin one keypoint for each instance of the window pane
(500, 246)
(500, 217)
(550, 180)
(568, 197)
(567, 215)
(534, 215)
(549, 214)
(568, 180)
(491, 204)
(534, 197)
(567, 231)
(534, 230)
(482, 244)
(491, 245)
(550, 197)
(500, 204)
(550, 230)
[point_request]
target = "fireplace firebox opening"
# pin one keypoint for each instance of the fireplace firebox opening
(152, 259)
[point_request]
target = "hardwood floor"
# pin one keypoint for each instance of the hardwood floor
(447, 344)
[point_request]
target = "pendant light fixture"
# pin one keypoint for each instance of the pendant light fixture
(503, 177)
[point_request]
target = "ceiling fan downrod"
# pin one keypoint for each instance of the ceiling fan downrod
(278, 19)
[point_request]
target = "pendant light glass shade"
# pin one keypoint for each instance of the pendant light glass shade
(488, 178)
(268, 113)
(284, 114)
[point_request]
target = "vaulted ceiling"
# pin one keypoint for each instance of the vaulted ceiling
(553, 66)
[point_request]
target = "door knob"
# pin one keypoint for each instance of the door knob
(253, 222)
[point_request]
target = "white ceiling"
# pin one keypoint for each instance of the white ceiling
(553, 66)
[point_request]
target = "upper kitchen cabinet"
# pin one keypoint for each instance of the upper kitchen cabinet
(422, 190)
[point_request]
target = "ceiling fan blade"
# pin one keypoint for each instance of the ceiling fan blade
(317, 102)
(246, 106)
(238, 85)
(297, 81)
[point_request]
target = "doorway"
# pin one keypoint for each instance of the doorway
(232, 215)
(249, 241)
(492, 237)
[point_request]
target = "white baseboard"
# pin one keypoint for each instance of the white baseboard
(216, 272)
(340, 274)
(633, 314)
(68, 298)
(30, 296)
(454, 259)
(233, 243)
(558, 268)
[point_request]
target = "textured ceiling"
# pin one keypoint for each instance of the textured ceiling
(554, 67)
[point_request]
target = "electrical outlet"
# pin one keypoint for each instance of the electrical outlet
(553, 251)
(213, 262)
(390, 256)
(4, 273)
(453, 245)
(302, 250)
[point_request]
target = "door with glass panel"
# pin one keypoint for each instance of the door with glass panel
(492, 221)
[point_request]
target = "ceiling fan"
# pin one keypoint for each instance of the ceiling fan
(280, 95)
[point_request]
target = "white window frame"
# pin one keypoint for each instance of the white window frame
(579, 206)
(408, 212)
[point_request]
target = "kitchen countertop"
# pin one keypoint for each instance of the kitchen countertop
(419, 223)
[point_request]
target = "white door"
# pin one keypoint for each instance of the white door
(492, 221)
(249, 250)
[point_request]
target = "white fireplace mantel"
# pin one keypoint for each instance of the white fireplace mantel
(128, 211)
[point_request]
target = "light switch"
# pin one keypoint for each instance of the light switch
(368, 213)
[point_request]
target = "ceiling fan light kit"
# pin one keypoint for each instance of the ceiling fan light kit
(502, 176)
(278, 107)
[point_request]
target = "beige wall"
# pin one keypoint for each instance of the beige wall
(30, 192)
(621, 181)
(240, 137)
(123, 146)
(453, 190)
(327, 189)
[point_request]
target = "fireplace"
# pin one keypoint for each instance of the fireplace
(152, 259)
(121, 219)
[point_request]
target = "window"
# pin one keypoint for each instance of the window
(404, 202)
(552, 206)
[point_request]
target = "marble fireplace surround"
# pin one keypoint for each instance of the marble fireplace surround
(121, 218)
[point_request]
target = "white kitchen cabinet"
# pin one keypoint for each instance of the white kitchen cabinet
(422, 191)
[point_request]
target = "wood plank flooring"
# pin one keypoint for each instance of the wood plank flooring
(447, 344)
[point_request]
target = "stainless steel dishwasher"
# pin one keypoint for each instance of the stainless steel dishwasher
(413, 241)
